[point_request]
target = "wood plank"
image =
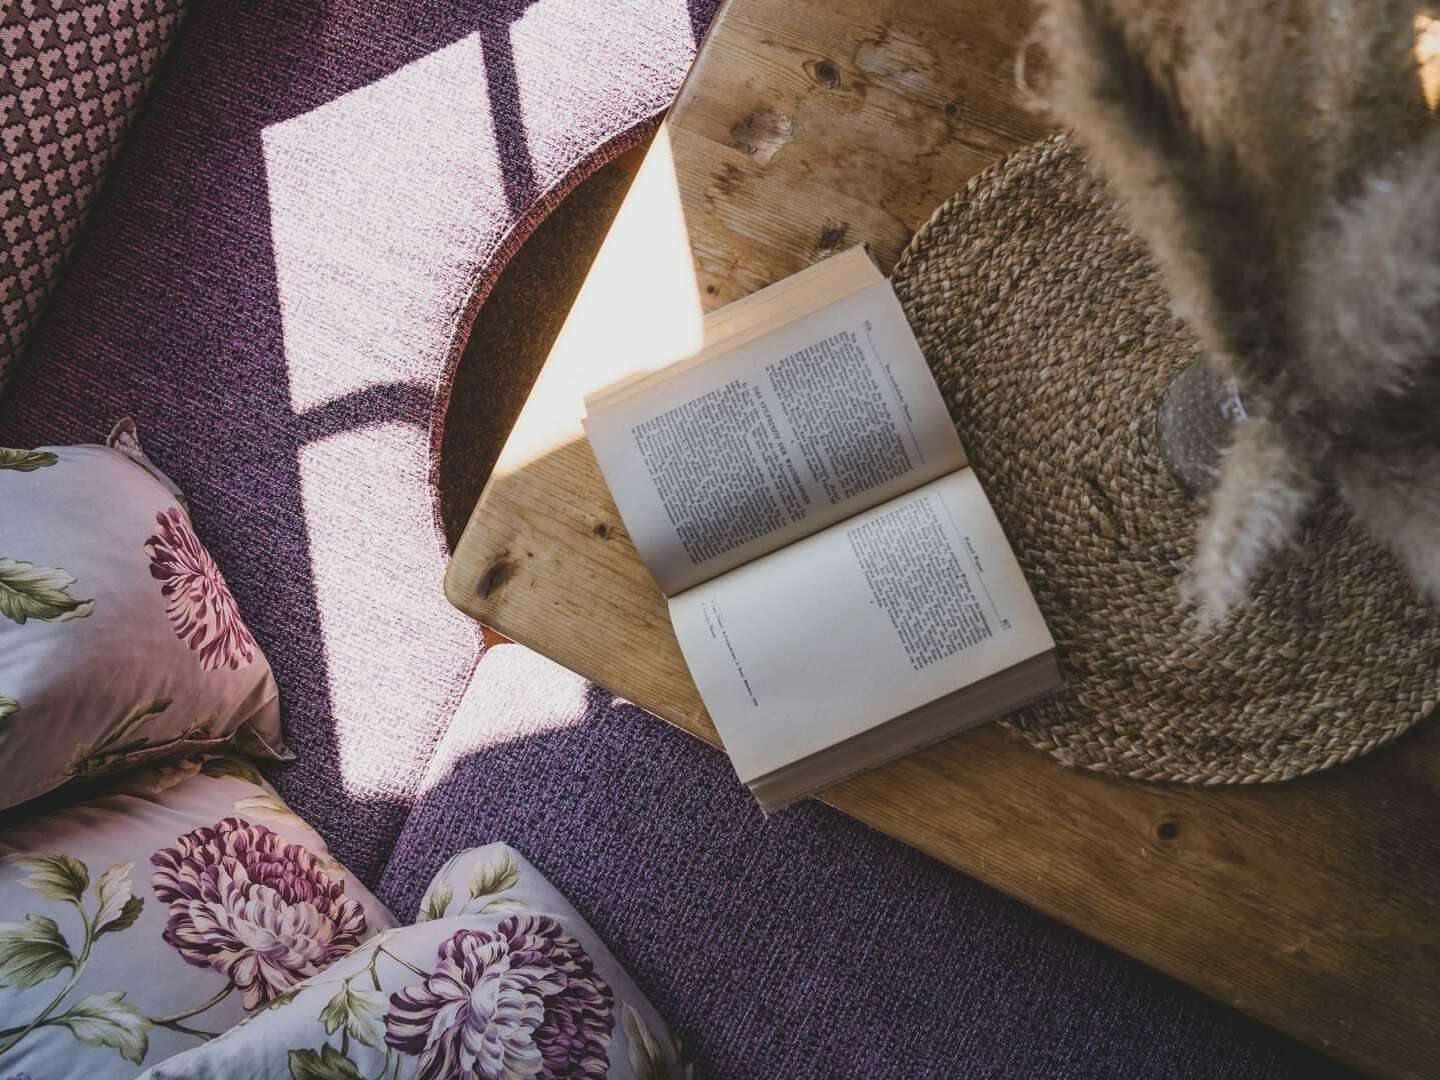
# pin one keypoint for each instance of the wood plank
(808, 126)
(1314, 905)
(1310, 905)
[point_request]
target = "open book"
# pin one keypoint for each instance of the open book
(838, 582)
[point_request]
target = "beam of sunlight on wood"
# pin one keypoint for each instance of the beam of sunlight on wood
(639, 309)
(1427, 58)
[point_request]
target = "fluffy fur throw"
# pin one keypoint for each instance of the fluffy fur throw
(1279, 159)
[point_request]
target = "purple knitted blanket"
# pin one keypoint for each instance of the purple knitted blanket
(277, 282)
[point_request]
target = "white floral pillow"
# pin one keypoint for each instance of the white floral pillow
(506, 980)
(154, 918)
(119, 639)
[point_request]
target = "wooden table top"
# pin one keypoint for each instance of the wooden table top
(808, 126)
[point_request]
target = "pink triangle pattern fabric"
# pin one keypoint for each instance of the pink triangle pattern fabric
(72, 76)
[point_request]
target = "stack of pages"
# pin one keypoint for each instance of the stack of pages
(838, 581)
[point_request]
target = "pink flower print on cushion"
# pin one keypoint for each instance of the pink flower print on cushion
(197, 600)
(523, 999)
(258, 910)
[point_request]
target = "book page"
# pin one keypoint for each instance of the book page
(853, 626)
(722, 461)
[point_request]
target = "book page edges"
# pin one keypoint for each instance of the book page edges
(1023, 684)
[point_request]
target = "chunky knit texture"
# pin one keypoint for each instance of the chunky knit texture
(275, 283)
(280, 274)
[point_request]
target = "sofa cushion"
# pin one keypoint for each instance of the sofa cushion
(138, 923)
(119, 638)
(72, 76)
(284, 270)
(506, 981)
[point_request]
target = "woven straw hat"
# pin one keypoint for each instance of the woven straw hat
(1050, 334)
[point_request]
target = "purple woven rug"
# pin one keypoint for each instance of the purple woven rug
(803, 945)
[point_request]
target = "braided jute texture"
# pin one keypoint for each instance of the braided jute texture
(1049, 331)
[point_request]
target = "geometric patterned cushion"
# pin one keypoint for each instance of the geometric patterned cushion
(72, 76)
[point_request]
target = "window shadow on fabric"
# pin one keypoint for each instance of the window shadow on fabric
(701, 12)
(233, 293)
(503, 86)
(236, 303)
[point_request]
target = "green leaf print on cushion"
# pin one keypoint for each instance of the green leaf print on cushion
(435, 902)
(26, 460)
(8, 708)
(239, 769)
(32, 951)
(112, 750)
(495, 877)
(269, 808)
(328, 1064)
(106, 1020)
(360, 1012)
(35, 951)
(129, 912)
(648, 1057)
(487, 881)
(28, 591)
(109, 742)
(55, 877)
(117, 910)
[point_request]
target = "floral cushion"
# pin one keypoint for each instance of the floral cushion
(119, 637)
(158, 915)
(501, 978)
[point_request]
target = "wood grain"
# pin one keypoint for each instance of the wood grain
(809, 126)
(806, 127)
